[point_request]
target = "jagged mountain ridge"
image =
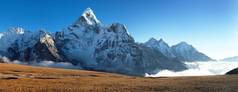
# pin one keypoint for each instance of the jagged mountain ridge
(162, 46)
(34, 46)
(93, 46)
(186, 52)
(9, 37)
(182, 51)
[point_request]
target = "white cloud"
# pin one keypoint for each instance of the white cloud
(56, 64)
(4, 59)
(43, 63)
(200, 69)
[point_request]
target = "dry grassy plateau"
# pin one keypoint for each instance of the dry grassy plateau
(20, 78)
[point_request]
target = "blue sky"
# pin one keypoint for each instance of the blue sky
(210, 25)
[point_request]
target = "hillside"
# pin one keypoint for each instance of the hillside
(20, 78)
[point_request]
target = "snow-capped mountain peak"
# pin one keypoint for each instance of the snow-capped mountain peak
(161, 45)
(158, 44)
(161, 41)
(184, 46)
(9, 37)
(151, 42)
(152, 39)
(87, 18)
(186, 52)
(16, 30)
(45, 38)
(155, 41)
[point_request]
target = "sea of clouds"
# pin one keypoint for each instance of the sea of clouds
(200, 69)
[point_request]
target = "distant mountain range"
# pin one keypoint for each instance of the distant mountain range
(235, 58)
(91, 45)
(181, 51)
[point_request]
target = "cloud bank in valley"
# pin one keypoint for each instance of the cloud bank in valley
(200, 69)
(43, 63)
(56, 64)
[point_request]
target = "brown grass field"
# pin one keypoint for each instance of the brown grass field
(19, 78)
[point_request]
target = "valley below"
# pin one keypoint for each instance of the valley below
(21, 78)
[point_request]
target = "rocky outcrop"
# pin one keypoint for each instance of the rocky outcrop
(234, 71)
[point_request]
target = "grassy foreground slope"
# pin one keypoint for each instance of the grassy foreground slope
(19, 78)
